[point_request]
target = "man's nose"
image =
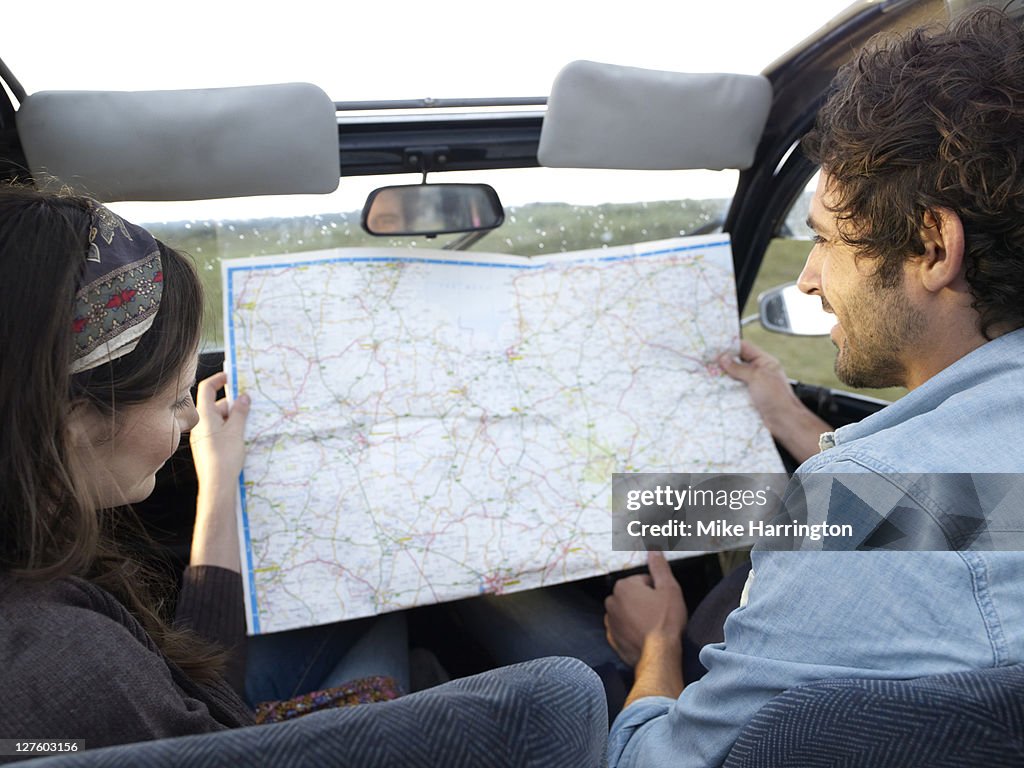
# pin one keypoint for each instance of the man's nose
(810, 276)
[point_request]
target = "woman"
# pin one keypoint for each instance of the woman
(99, 335)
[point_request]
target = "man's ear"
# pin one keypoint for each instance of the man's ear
(942, 264)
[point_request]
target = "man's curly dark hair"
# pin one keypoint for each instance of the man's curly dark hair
(934, 119)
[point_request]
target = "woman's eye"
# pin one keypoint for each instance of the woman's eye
(184, 403)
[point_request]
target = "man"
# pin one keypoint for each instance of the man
(919, 252)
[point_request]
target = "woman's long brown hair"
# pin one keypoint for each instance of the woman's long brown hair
(51, 528)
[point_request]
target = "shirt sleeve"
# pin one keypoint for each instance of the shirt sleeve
(81, 675)
(813, 616)
(211, 604)
(632, 720)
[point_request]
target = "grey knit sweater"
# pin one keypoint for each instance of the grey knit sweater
(74, 664)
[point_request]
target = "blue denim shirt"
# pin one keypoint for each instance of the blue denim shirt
(898, 615)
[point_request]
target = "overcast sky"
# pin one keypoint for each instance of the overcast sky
(390, 49)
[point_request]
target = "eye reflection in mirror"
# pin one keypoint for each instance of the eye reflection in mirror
(786, 309)
(432, 209)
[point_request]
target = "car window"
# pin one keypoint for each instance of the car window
(808, 359)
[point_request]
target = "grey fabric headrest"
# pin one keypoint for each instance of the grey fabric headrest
(184, 145)
(608, 116)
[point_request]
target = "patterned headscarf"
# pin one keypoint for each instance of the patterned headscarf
(120, 292)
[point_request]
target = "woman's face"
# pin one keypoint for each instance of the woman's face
(120, 460)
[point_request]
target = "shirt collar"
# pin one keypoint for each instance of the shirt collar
(988, 360)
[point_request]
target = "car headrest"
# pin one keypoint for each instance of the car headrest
(184, 145)
(608, 116)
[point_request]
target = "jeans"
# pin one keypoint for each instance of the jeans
(283, 665)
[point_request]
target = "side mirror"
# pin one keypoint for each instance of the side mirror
(785, 309)
(432, 209)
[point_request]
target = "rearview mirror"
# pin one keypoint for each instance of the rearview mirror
(432, 209)
(786, 309)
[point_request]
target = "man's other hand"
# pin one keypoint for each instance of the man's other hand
(645, 606)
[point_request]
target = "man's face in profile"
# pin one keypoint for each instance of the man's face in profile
(877, 324)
